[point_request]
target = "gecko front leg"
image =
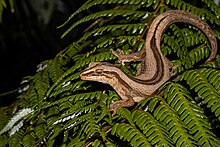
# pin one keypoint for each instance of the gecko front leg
(122, 57)
(122, 103)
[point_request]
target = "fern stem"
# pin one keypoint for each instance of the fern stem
(8, 93)
(148, 25)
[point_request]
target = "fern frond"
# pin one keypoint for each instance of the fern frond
(91, 128)
(71, 88)
(155, 132)
(215, 8)
(99, 143)
(76, 110)
(213, 76)
(62, 125)
(22, 113)
(137, 28)
(67, 73)
(200, 12)
(106, 56)
(191, 39)
(89, 4)
(41, 130)
(178, 131)
(193, 36)
(72, 50)
(74, 98)
(107, 13)
(4, 5)
(82, 62)
(32, 95)
(16, 139)
(4, 140)
(130, 40)
(178, 45)
(199, 53)
(186, 38)
(16, 128)
(55, 71)
(52, 111)
(41, 83)
(217, 33)
(191, 114)
(76, 142)
(198, 82)
(130, 133)
(125, 113)
(83, 120)
(29, 139)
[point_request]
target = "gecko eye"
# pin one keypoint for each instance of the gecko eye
(98, 72)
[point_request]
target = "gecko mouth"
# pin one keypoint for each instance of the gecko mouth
(85, 73)
(82, 75)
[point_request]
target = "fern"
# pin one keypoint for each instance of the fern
(67, 111)
(107, 13)
(164, 114)
(29, 140)
(22, 113)
(155, 132)
(131, 134)
(192, 115)
(131, 28)
(203, 87)
(3, 5)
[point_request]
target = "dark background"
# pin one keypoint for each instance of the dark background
(29, 36)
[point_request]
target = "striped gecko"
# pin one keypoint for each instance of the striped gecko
(154, 69)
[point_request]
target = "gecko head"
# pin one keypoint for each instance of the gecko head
(98, 71)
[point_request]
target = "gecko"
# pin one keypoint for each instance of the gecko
(154, 69)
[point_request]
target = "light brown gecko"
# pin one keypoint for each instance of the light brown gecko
(154, 69)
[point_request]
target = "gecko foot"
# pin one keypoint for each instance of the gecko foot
(120, 54)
